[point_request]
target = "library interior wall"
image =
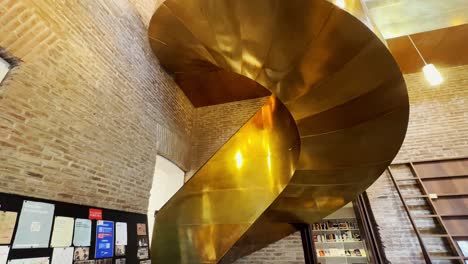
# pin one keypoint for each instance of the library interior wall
(84, 114)
(438, 129)
(87, 109)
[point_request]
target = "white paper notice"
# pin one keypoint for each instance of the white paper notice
(62, 256)
(29, 261)
(4, 254)
(34, 225)
(82, 235)
(463, 245)
(120, 234)
(63, 232)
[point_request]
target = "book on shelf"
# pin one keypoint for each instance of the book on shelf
(330, 252)
(328, 225)
(339, 252)
(358, 253)
(347, 236)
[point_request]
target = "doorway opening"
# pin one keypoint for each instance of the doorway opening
(167, 180)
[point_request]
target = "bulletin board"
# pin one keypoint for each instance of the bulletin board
(14, 203)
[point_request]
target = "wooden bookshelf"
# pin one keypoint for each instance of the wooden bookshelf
(338, 240)
(444, 187)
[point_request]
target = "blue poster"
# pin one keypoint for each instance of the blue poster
(104, 239)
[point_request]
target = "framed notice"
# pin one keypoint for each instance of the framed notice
(121, 234)
(7, 225)
(4, 254)
(141, 229)
(81, 253)
(82, 234)
(119, 251)
(104, 239)
(62, 256)
(29, 261)
(143, 253)
(34, 226)
(63, 232)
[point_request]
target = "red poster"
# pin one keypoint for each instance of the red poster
(95, 214)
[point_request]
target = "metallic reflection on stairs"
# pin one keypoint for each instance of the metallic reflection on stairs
(336, 118)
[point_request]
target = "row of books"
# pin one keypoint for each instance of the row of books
(337, 252)
(328, 225)
(337, 237)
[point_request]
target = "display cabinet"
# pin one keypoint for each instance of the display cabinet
(338, 238)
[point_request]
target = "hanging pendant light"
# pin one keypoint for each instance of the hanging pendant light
(431, 73)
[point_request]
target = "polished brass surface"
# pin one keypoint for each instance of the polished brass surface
(231, 191)
(336, 119)
(218, 86)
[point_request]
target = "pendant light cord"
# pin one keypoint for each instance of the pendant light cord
(416, 48)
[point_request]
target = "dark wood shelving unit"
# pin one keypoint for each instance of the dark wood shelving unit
(444, 186)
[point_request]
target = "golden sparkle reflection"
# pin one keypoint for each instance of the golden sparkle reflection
(341, 3)
(239, 159)
(269, 159)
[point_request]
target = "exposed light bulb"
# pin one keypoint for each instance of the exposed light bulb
(341, 3)
(432, 75)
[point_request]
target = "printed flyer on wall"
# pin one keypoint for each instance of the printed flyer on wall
(34, 225)
(82, 236)
(7, 225)
(104, 239)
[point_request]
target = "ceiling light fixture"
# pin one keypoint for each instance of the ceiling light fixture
(431, 73)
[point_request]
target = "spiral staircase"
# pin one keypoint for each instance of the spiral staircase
(336, 117)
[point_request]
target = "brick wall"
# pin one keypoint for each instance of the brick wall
(438, 129)
(146, 9)
(286, 251)
(214, 125)
(88, 107)
(84, 114)
(438, 123)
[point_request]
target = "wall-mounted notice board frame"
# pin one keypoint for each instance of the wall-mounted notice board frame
(14, 203)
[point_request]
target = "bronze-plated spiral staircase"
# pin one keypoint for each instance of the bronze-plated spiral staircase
(336, 117)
